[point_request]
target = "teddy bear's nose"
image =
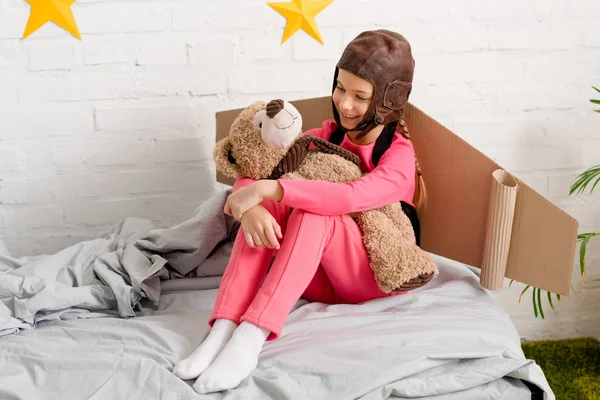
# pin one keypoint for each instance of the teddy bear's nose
(273, 107)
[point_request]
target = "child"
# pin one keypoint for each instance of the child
(322, 256)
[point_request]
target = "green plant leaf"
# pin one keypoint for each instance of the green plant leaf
(550, 300)
(584, 238)
(535, 310)
(582, 251)
(594, 100)
(584, 179)
(539, 300)
(523, 292)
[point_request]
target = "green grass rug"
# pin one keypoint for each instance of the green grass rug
(571, 366)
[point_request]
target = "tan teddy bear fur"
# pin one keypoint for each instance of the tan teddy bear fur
(397, 262)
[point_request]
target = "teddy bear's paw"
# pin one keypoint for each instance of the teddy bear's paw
(408, 267)
(396, 261)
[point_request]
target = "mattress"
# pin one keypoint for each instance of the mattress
(447, 340)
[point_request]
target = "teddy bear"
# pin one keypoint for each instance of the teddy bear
(265, 141)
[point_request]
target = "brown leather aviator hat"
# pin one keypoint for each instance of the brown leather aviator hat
(385, 59)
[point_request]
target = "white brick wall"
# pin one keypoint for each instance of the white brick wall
(122, 122)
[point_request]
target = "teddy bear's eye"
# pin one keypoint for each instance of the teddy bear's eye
(230, 157)
(258, 119)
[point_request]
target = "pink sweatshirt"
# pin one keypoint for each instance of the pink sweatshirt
(391, 181)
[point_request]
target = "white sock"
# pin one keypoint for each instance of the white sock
(193, 365)
(236, 361)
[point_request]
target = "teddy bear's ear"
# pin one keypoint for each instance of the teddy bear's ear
(224, 161)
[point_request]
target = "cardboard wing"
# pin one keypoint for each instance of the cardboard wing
(476, 212)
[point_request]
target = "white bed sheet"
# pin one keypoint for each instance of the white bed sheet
(448, 340)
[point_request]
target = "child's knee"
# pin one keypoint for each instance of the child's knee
(300, 217)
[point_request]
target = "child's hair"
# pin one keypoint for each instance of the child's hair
(420, 196)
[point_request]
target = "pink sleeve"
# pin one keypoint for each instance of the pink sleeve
(323, 132)
(391, 181)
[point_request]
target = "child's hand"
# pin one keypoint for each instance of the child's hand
(242, 200)
(249, 196)
(260, 228)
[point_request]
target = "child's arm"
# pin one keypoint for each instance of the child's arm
(391, 181)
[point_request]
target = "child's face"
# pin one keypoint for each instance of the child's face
(352, 97)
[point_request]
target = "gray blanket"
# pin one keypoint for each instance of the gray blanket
(448, 340)
(110, 275)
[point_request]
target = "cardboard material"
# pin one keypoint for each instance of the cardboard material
(476, 212)
(498, 232)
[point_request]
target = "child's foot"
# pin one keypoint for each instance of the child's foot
(235, 362)
(193, 365)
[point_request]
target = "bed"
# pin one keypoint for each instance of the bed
(108, 319)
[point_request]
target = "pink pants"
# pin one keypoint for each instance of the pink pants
(321, 258)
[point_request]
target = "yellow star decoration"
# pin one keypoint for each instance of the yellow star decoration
(300, 14)
(57, 11)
